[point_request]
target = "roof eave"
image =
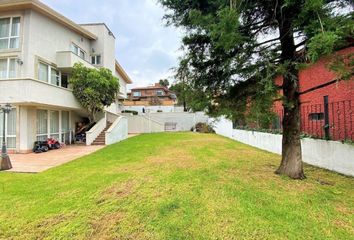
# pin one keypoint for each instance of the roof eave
(121, 72)
(8, 5)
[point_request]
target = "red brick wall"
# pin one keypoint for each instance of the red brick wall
(340, 96)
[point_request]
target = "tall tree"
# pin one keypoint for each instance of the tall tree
(235, 49)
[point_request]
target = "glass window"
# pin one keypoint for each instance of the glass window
(82, 54)
(3, 68)
(10, 128)
(64, 80)
(8, 68)
(96, 60)
(4, 27)
(65, 127)
(54, 77)
(78, 51)
(159, 93)
(316, 116)
(43, 72)
(15, 30)
(12, 68)
(42, 125)
(54, 124)
(136, 94)
(75, 49)
(9, 33)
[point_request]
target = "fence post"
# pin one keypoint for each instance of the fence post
(326, 118)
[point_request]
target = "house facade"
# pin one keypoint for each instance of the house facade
(155, 98)
(327, 103)
(38, 49)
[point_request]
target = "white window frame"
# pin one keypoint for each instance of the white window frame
(8, 67)
(61, 131)
(6, 129)
(79, 51)
(49, 77)
(10, 31)
(95, 59)
(160, 91)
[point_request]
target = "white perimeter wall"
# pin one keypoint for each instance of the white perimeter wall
(184, 120)
(154, 109)
(331, 155)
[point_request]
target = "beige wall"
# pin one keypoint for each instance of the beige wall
(42, 38)
(105, 44)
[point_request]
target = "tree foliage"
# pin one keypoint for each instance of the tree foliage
(94, 88)
(164, 82)
(234, 49)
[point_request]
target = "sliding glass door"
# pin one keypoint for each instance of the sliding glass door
(65, 127)
(42, 125)
(54, 124)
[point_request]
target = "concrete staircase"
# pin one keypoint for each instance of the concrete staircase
(101, 139)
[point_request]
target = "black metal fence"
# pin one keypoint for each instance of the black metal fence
(328, 120)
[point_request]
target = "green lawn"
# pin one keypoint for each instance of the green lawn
(176, 186)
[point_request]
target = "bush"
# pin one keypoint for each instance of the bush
(130, 111)
(203, 128)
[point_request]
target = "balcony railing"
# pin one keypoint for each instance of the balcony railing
(67, 59)
(32, 91)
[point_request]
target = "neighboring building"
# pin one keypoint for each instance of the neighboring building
(155, 98)
(38, 48)
(318, 83)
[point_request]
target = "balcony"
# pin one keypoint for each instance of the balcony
(67, 59)
(34, 92)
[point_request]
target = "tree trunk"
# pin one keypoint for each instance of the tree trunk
(184, 106)
(291, 163)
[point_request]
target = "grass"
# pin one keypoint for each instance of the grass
(176, 186)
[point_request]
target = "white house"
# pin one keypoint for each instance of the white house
(38, 48)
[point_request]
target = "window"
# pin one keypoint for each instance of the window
(65, 127)
(78, 51)
(316, 116)
(54, 124)
(136, 94)
(64, 80)
(96, 59)
(9, 33)
(49, 74)
(10, 128)
(54, 77)
(42, 125)
(48, 125)
(43, 70)
(159, 93)
(82, 54)
(8, 68)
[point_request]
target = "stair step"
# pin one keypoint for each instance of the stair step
(101, 138)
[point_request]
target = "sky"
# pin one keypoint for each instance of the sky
(145, 47)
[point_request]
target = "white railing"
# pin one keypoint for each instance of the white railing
(93, 133)
(111, 117)
(118, 131)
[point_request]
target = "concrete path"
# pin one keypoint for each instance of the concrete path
(39, 162)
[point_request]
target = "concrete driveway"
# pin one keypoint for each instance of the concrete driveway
(34, 163)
